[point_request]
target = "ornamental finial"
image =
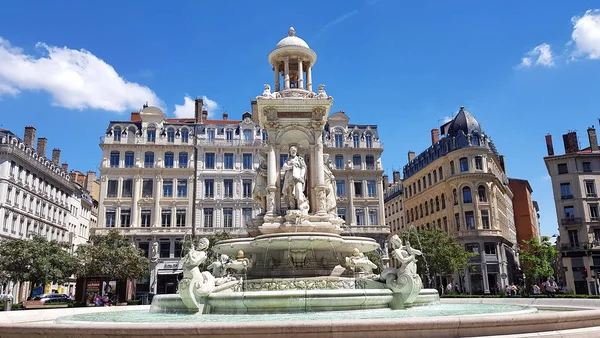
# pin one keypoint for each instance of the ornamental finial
(292, 31)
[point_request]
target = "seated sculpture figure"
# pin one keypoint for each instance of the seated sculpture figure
(195, 285)
(359, 261)
(403, 280)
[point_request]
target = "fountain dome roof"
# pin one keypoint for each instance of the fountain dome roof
(291, 40)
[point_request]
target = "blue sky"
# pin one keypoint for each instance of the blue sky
(522, 68)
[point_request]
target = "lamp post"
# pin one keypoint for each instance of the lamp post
(195, 183)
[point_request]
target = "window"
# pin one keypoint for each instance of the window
(247, 188)
(229, 135)
(437, 203)
(478, 163)
(469, 220)
(170, 135)
(420, 210)
(435, 176)
(426, 208)
(489, 248)
(208, 217)
(373, 220)
(165, 218)
(145, 248)
(339, 139)
(228, 188)
(451, 167)
(180, 218)
(445, 220)
(358, 189)
(178, 248)
(457, 221)
(369, 140)
(340, 188)
(370, 162)
(183, 160)
(455, 196)
(590, 188)
(562, 168)
(574, 238)
(587, 167)
(569, 211)
(111, 217)
(169, 159)
(371, 189)
(565, 191)
(467, 198)
(125, 217)
(127, 187)
(209, 188)
(182, 187)
(210, 134)
(246, 214)
(482, 193)
(464, 164)
(356, 140)
(165, 249)
(339, 161)
(282, 159)
(167, 188)
(129, 159)
(209, 160)
(474, 248)
(228, 159)
(117, 134)
(265, 135)
(151, 132)
(112, 189)
(185, 135)
(248, 135)
(594, 212)
(227, 217)
(341, 213)
(360, 216)
(485, 219)
(356, 161)
(419, 185)
(114, 159)
(146, 218)
(424, 183)
(147, 184)
(247, 161)
(148, 159)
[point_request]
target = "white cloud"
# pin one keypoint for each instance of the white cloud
(336, 21)
(76, 79)
(542, 55)
(586, 34)
(187, 109)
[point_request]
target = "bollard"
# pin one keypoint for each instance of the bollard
(7, 304)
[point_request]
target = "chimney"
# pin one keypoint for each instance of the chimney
(65, 166)
(198, 110)
(435, 136)
(90, 178)
(396, 176)
(29, 136)
(502, 164)
(570, 141)
(386, 181)
(411, 156)
(593, 139)
(56, 156)
(204, 115)
(41, 146)
(549, 145)
(225, 115)
(254, 107)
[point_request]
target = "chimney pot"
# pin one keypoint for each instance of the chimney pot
(549, 145)
(570, 142)
(41, 146)
(386, 181)
(411, 156)
(435, 136)
(56, 156)
(396, 176)
(225, 115)
(593, 138)
(65, 166)
(29, 136)
(198, 103)
(204, 115)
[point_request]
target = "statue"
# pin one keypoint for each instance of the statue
(403, 281)
(240, 264)
(294, 181)
(195, 285)
(330, 192)
(267, 93)
(360, 261)
(259, 194)
(154, 257)
(322, 94)
(219, 270)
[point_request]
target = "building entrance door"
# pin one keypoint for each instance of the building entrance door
(166, 284)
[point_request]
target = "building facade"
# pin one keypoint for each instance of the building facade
(574, 176)
(459, 185)
(526, 211)
(393, 198)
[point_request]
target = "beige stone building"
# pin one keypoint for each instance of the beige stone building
(393, 197)
(459, 185)
(574, 176)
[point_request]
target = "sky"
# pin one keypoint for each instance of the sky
(522, 68)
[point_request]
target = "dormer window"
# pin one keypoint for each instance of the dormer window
(171, 135)
(356, 140)
(210, 134)
(229, 135)
(151, 132)
(248, 134)
(339, 139)
(185, 134)
(117, 134)
(369, 140)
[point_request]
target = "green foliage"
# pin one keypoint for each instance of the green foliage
(111, 257)
(374, 257)
(537, 259)
(36, 260)
(444, 255)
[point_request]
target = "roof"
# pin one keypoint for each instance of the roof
(221, 121)
(292, 40)
(464, 122)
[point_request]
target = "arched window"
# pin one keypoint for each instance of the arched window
(151, 133)
(248, 136)
(114, 159)
(437, 203)
(356, 140)
(455, 196)
(467, 198)
(420, 210)
(171, 135)
(412, 215)
(148, 159)
(475, 140)
(339, 138)
(431, 205)
(169, 159)
(482, 193)
(441, 173)
(435, 176)
(185, 134)
(443, 198)
(426, 208)
(369, 140)
(117, 134)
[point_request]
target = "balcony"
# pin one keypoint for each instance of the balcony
(200, 231)
(231, 143)
(571, 221)
(365, 229)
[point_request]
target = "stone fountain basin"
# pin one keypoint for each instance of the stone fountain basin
(300, 241)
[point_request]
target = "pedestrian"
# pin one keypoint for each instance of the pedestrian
(456, 289)
(551, 287)
(449, 288)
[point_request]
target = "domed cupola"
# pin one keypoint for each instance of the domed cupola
(464, 122)
(292, 59)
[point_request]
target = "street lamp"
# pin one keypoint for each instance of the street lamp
(195, 183)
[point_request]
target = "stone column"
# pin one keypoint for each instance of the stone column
(271, 180)
(350, 215)
(286, 73)
(486, 283)
(309, 78)
(157, 195)
(118, 216)
(277, 77)
(173, 216)
(320, 187)
(380, 217)
(135, 199)
(191, 206)
(300, 75)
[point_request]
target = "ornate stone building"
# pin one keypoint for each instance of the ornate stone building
(574, 176)
(393, 197)
(459, 185)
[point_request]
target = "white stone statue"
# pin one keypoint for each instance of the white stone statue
(330, 193)
(219, 268)
(404, 280)
(259, 194)
(322, 94)
(154, 256)
(294, 182)
(359, 261)
(195, 285)
(240, 264)
(267, 93)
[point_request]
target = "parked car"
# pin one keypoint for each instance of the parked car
(51, 298)
(139, 295)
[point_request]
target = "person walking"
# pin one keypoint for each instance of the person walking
(551, 287)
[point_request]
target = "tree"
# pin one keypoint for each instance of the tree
(36, 260)
(442, 255)
(537, 259)
(212, 256)
(112, 257)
